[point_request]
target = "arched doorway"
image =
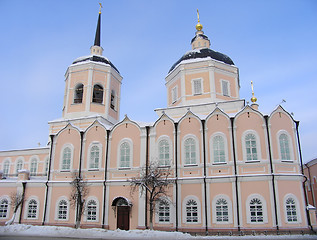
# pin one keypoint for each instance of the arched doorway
(122, 206)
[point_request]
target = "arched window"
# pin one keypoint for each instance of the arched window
(94, 158)
(256, 210)
(164, 211)
(32, 209)
(19, 166)
(78, 94)
(164, 153)
(113, 100)
(97, 96)
(222, 210)
(218, 146)
(67, 156)
(62, 210)
(191, 211)
(4, 205)
(250, 146)
(6, 168)
(125, 155)
(46, 166)
(291, 211)
(33, 167)
(284, 147)
(190, 151)
(91, 210)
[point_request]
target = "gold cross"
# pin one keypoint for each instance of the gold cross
(100, 7)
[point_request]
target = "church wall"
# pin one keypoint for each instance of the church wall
(232, 86)
(189, 85)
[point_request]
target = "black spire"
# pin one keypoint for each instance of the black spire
(97, 37)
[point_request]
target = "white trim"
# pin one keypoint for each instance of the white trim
(258, 145)
(230, 213)
(71, 157)
(99, 145)
(97, 209)
(299, 218)
(197, 149)
(290, 145)
(9, 206)
(57, 208)
(264, 208)
(211, 141)
(184, 213)
(130, 142)
(26, 210)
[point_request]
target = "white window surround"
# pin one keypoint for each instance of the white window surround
(184, 213)
(174, 94)
(298, 213)
(290, 145)
(46, 165)
(171, 211)
(196, 148)
(62, 155)
(57, 208)
(97, 209)
(130, 142)
(166, 138)
(258, 145)
(99, 145)
(26, 210)
(19, 162)
(6, 166)
(264, 209)
(197, 86)
(230, 213)
(33, 159)
(211, 143)
(228, 88)
(5, 197)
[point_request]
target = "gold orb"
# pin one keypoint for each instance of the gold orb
(199, 27)
(254, 99)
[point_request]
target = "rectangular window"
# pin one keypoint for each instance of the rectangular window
(197, 86)
(225, 88)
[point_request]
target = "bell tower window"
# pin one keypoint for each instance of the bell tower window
(78, 94)
(97, 94)
(113, 100)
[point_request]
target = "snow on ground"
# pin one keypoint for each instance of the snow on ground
(98, 233)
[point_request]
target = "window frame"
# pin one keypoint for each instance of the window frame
(212, 150)
(174, 94)
(32, 160)
(228, 88)
(159, 140)
(94, 91)
(94, 144)
(57, 209)
(298, 209)
(8, 208)
(130, 143)
(76, 100)
(214, 209)
(71, 147)
(113, 100)
(258, 146)
(6, 165)
(26, 211)
(290, 146)
(197, 150)
(184, 210)
(264, 209)
(19, 160)
(200, 81)
(86, 209)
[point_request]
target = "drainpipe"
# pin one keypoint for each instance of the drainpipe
(205, 174)
(81, 152)
(272, 171)
(302, 170)
(176, 175)
(104, 182)
(235, 172)
(146, 170)
(48, 178)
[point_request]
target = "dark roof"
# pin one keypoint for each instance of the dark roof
(204, 53)
(95, 58)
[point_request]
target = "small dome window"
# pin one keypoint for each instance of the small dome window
(78, 94)
(97, 96)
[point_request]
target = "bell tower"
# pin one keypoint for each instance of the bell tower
(93, 85)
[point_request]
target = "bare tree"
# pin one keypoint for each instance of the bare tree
(155, 181)
(78, 196)
(17, 198)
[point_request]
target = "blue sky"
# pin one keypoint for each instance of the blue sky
(272, 42)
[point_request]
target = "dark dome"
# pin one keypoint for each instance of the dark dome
(204, 53)
(95, 58)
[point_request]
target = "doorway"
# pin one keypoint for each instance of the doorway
(123, 218)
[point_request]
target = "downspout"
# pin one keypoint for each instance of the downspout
(146, 170)
(48, 178)
(22, 204)
(176, 175)
(272, 171)
(205, 173)
(235, 173)
(302, 170)
(104, 182)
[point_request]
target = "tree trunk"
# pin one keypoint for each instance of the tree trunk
(151, 215)
(11, 220)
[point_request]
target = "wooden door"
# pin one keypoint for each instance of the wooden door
(123, 220)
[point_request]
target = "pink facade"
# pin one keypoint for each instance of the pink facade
(234, 168)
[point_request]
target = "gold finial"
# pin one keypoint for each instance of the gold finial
(198, 25)
(253, 99)
(100, 8)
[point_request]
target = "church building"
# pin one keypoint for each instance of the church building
(233, 167)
